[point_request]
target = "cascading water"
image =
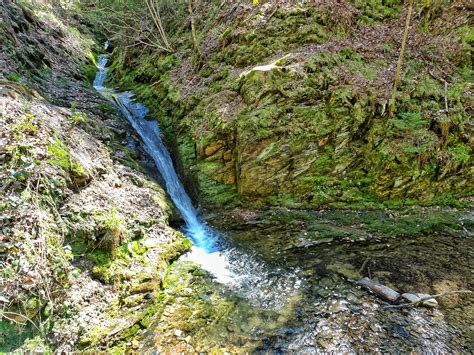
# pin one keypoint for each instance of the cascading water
(101, 65)
(151, 136)
(230, 266)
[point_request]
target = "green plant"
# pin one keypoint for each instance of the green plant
(461, 152)
(114, 226)
(78, 118)
(62, 158)
(408, 121)
(20, 162)
(14, 77)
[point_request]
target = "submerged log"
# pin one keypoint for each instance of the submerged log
(380, 290)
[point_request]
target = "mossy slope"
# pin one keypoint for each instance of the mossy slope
(84, 236)
(314, 128)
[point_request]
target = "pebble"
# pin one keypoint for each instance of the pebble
(324, 293)
(178, 332)
(432, 303)
(326, 282)
(352, 298)
(410, 297)
(335, 308)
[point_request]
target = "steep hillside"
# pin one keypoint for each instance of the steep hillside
(288, 104)
(84, 232)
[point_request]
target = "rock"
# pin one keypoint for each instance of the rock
(133, 300)
(334, 307)
(149, 286)
(135, 344)
(326, 283)
(212, 148)
(383, 291)
(178, 332)
(344, 269)
(410, 297)
(324, 293)
(429, 302)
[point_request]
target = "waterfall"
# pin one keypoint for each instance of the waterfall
(150, 134)
(244, 273)
(102, 73)
(149, 131)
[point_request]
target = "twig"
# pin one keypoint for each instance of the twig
(364, 264)
(273, 13)
(400, 59)
(5, 315)
(194, 38)
(411, 304)
(446, 96)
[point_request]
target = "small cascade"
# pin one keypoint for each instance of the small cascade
(242, 272)
(204, 238)
(149, 132)
(102, 73)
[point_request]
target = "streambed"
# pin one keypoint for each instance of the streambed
(427, 251)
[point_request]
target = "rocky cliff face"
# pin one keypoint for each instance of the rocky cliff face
(290, 105)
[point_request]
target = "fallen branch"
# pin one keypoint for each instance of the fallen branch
(412, 304)
(397, 80)
(273, 13)
(380, 290)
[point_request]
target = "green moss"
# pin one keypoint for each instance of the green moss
(62, 158)
(179, 246)
(13, 335)
(328, 106)
(462, 152)
(214, 193)
(373, 11)
(285, 200)
(346, 270)
(90, 67)
(14, 77)
(187, 152)
(285, 30)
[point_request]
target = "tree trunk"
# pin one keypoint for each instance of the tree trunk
(400, 59)
(196, 45)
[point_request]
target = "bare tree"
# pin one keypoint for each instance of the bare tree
(196, 45)
(400, 59)
(136, 22)
(155, 14)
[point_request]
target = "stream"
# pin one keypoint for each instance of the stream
(285, 281)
